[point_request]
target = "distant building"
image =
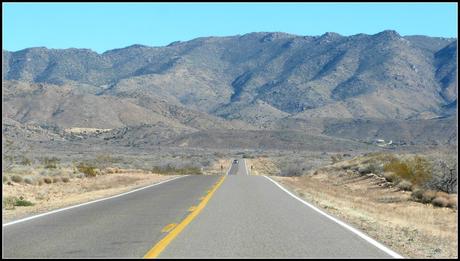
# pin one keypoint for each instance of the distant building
(382, 143)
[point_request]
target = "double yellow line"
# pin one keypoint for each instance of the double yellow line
(163, 243)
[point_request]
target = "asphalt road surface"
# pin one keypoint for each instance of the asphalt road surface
(246, 216)
(126, 226)
(249, 216)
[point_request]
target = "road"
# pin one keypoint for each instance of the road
(239, 216)
(126, 226)
(249, 216)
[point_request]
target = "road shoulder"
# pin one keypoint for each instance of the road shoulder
(411, 229)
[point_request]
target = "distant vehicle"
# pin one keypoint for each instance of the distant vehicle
(235, 162)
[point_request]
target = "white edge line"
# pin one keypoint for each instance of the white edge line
(87, 203)
(246, 165)
(343, 224)
(229, 168)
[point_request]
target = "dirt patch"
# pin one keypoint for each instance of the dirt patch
(51, 196)
(85, 130)
(385, 213)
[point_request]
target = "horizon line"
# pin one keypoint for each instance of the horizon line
(210, 36)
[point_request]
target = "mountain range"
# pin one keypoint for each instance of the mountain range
(256, 81)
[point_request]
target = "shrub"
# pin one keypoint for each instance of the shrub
(291, 172)
(65, 179)
(416, 170)
(11, 202)
(29, 180)
(405, 185)
(428, 196)
(50, 163)
(417, 194)
(21, 202)
(391, 176)
(397, 168)
(336, 158)
(88, 170)
(16, 178)
(5, 178)
(26, 161)
(452, 202)
(40, 181)
(374, 168)
(169, 170)
(445, 175)
(364, 169)
(56, 179)
(441, 194)
(440, 202)
(47, 180)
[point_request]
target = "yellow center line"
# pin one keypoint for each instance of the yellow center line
(169, 227)
(163, 243)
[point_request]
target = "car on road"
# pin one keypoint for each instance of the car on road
(235, 161)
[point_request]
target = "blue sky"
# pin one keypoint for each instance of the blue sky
(107, 26)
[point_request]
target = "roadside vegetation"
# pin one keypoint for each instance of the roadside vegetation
(170, 170)
(43, 170)
(12, 202)
(35, 184)
(430, 179)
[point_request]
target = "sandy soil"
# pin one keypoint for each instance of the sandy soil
(47, 197)
(410, 228)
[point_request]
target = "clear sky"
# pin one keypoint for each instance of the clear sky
(107, 26)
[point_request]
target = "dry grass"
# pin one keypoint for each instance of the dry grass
(112, 170)
(219, 167)
(385, 213)
(262, 166)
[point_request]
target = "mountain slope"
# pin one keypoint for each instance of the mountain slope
(66, 106)
(258, 78)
